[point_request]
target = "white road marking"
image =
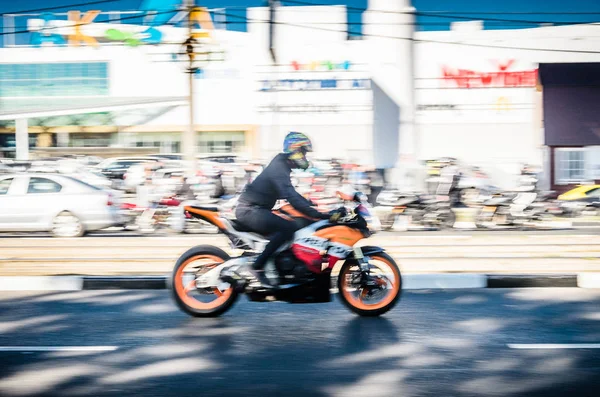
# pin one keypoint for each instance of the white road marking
(58, 348)
(460, 236)
(41, 283)
(588, 280)
(444, 281)
(554, 346)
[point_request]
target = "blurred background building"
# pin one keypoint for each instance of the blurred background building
(387, 83)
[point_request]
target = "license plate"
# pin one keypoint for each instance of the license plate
(489, 209)
(398, 210)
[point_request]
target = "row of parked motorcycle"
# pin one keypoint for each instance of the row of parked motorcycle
(487, 209)
(393, 208)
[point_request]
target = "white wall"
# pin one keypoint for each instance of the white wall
(497, 128)
(339, 121)
(449, 121)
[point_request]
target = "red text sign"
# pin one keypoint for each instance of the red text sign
(466, 78)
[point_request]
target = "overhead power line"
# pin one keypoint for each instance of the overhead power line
(446, 16)
(319, 24)
(346, 31)
(420, 40)
(358, 9)
(89, 3)
(47, 28)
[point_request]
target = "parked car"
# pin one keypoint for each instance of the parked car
(61, 204)
(582, 200)
(587, 193)
(137, 173)
(168, 156)
(117, 167)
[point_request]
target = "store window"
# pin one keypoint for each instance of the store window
(570, 165)
(163, 143)
(53, 79)
(592, 162)
(221, 142)
(90, 140)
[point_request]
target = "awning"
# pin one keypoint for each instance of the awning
(12, 109)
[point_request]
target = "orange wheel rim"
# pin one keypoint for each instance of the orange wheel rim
(183, 290)
(359, 300)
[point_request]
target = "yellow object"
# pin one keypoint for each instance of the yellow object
(77, 37)
(578, 193)
(201, 17)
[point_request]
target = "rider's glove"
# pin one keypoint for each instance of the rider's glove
(335, 215)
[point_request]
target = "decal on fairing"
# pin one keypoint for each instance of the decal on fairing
(316, 243)
(338, 250)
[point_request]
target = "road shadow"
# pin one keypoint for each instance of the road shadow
(451, 343)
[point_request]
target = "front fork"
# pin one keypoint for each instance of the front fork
(363, 262)
(365, 268)
(366, 280)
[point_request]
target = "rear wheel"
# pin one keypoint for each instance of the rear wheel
(370, 293)
(201, 302)
(66, 224)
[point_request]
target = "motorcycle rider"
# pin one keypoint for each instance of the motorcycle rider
(258, 198)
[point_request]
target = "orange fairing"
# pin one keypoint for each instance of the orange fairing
(340, 234)
(209, 216)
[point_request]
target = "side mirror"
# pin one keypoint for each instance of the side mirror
(360, 197)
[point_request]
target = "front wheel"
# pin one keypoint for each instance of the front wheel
(201, 302)
(374, 292)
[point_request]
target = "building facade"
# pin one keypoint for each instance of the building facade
(393, 97)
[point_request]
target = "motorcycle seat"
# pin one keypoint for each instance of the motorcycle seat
(243, 229)
(205, 208)
(239, 227)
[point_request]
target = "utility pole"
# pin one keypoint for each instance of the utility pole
(273, 7)
(189, 136)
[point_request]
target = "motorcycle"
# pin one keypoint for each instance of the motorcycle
(206, 281)
(427, 210)
(513, 209)
(149, 219)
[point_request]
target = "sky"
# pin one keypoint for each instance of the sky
(497, 14)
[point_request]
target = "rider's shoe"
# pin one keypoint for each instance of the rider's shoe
(256, 276)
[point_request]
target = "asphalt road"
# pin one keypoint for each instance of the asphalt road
(444, 343)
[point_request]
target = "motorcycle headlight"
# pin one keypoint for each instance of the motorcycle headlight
(373, 222)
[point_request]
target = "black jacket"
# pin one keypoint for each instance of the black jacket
(274, 184)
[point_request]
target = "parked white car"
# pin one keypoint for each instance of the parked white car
(61, 204)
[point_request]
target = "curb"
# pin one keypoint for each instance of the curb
(124, 282)
(410, 281)
(531, 281)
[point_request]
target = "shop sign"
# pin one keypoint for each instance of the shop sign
(80, 29)
(501, 78)
(442, 106)
(216, 74)
(501, 104)
(315, 84)
(320, 66)
(301, 108)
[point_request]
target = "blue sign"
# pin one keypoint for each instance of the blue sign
(315, 84)
(161, 8)
(39, 38)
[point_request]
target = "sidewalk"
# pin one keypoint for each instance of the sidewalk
(509, 254)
